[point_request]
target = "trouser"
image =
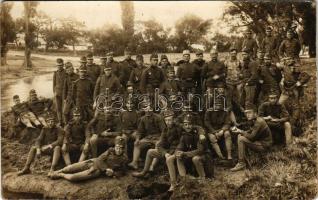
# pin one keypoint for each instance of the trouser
(67, 107)
(59, 108)
(249, 94)
(228, 143)
(28, 118)
(288, 94)
(234, 94)
(243, 142)
(286, 126)
(97, 140)
(42, 120)
(87, 112)
(198, 162)
(143, 144)
(152, 154)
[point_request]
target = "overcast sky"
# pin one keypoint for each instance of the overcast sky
(96, 14)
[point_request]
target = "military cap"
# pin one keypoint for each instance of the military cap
(154, 55)
(233, 48)
(89, 56)
(140, 57)
(59, 61)
(120, 141)
(83, 59)
(110, 53)
(267, 56)
(68, 65)
(16, 96)
(103, 57)
(129, 83)
(172, 97)
(199, 52)
(168, 113)
(76, 112)
(249, 107)
(187, 119)
(186, 52)
(163, 56)
(82, 68)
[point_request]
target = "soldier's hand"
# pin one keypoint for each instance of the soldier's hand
(109, 172)
(137, 141)
(261, 81)
(167, 155)
(298, 84)
(216, 77)
(179, 154)
(202, 137)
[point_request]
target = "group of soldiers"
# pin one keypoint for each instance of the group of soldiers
(251, 100)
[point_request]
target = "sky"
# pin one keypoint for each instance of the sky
(98, 13)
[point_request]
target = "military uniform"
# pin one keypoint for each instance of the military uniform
(23, 113)
(270, 45)
(135, 77)
(39, 108)
(249, 75)
(270, 77)
(189, 75)
(126, 67)
(289, 48)
(151, 78)
(67, 95)
(211, 69)
(83, 90)
(75, 136)
(93, 72)
(170, 86)
(250, 45)
(59, 77)
(103, 82)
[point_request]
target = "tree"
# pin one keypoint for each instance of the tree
(128, 20)
(190, 29)
(279, 14)
(29, 29)
(8, 31)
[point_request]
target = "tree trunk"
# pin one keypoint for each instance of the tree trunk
(27, 50)
(4, 59)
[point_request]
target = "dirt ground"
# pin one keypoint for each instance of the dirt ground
(280, 174)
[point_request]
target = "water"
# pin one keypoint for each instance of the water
(43, 84)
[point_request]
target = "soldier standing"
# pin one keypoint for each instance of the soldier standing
(49, 142)
(290, 47)
(270, 44)
(152, 77)
(126, 66)
(110, 62)
(200, 62)
(171, 86)
(250, 44)
(67, 91)
(93, 70)
(59, 77)
(82, 97)
(164, 63)
(135, 76)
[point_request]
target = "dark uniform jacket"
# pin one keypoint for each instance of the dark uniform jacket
(68, 85)
(135, 76)
(83, 90)
(129, 120)
(217, 120)
(53, 136)
(93, 72)
(169, 140)
(191, 145)
(109, 160)
(59, 77)
(214, 68)
(291, 77)
(289, 48)
(114, 66)
(102, 122)
(276, 111)
(20, 108)
(126, 66)
(249, 72)
(270, 45)
(189, 74)
(152, 77)
(233, 68)
(260, 132)
(199, 63)
(152, 125)
(250, 45)
(75, 133)
(111, 83)
(271, 77)
(170, 86)
(39, 105)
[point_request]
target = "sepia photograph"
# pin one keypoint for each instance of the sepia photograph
(184, 100)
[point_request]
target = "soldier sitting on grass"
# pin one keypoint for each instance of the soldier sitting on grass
(112, 162)
(49, 142)
(75, 138)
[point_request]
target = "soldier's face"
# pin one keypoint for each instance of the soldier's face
(107, 71)
(187, 126)
(139, 62)
(245, 56)
(110, 58)
(70, 70)
(59, 66)
(164, 62)
(119, 149)
(130, 89)
(103, 60)
(250, 114)
(82, 74)
(248, 34)
(50, 123)
(171, 74)
(260, 55)
(169, 121)
(76, 118)
(200, 57)
(129, 106)
(267, 61)
(272, 99)
(16, 101)
(154, 61)
(186, 57)
(90, 61)
(233, 54)
(214, 56)
(268, 33)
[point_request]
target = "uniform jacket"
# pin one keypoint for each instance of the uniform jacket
(188, 73)
(135, 76)
(129, 120)
(38, 106)
(170, 86)
(151, 77)
(271, 76)
(103, 82)
(93, 72)
(250, 72)
(115, 66)
(59, 77)
(102, 122)
(250, 45)
(150, 125)
(68, 85)
(217, 120)
(212, 68)
(289, 48)
(126, 66)
(291, 77)
(270, 45)
(20, 108)
(233, 71)
(75, 133)
(259, 132)
(277, 111)
(83, 91)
